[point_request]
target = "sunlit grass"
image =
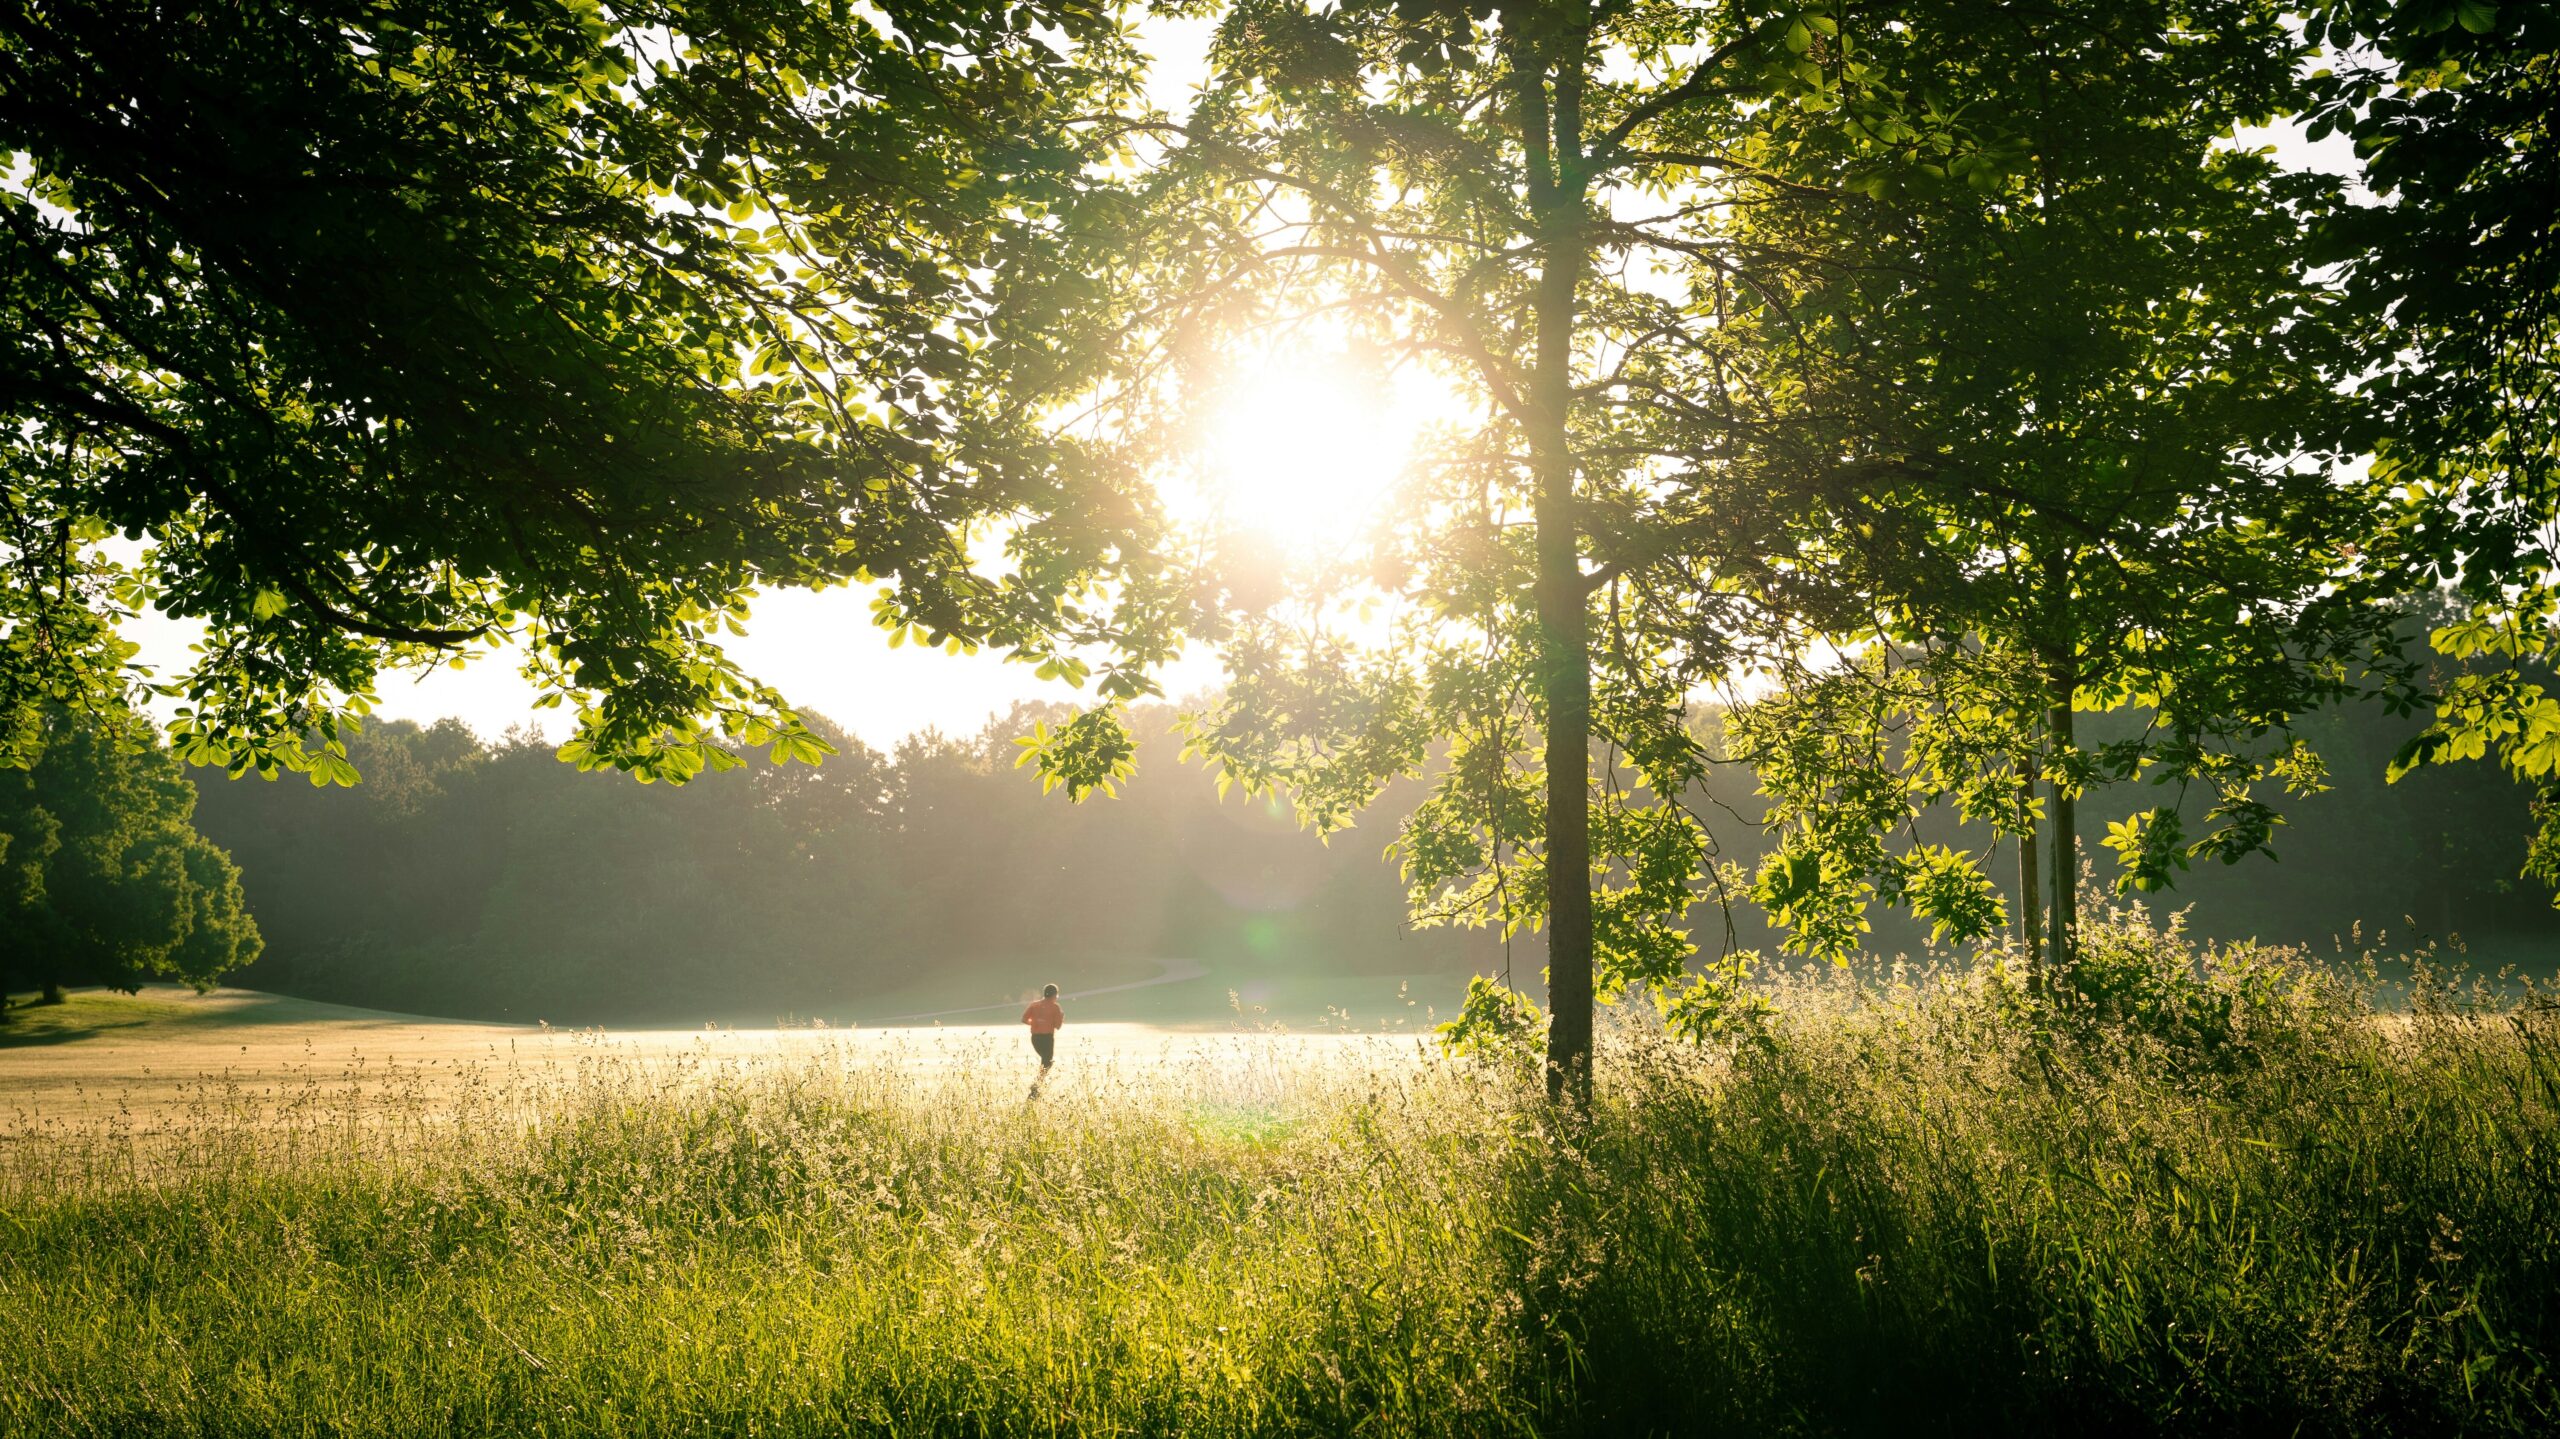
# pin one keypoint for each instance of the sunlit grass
(2212, 1197)
(81, 1014)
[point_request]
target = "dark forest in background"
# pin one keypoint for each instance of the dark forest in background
(482, 879)
(489, 879)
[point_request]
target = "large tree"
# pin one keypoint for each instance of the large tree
(103, 877)
(1544, 206)
(1526, 205)
(2087, 391)
(395, 328)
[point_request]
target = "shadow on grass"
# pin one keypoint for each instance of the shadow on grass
(29, 1024)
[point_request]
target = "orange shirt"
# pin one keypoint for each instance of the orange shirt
(1044, 1016)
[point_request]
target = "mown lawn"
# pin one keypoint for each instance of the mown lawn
(2207, 1194)
(83, 1013)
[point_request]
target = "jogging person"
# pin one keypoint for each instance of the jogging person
(1044, 1016)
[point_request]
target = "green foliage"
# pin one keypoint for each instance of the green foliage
(2238, 1200)
(1723, 1005)
(2060, 409)
(2150, 844)
(1783, 333)
(2493, 701)
(2454, 268)
(465, 878)
(1528, 209)
(487, 879)
(2216, 1010)
(398, 332)
(1496, 1022)
(1944, 887)
(1821, 751)
(103, 879)
(1093, 751)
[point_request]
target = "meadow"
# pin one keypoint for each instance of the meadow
(2207, 1191)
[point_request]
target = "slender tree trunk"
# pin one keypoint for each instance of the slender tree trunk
(2066, 839)
(2062, 681)
(1551, 131)
(1566, 680)
(2030, 902)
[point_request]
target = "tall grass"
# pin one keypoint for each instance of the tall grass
(2207, 1192)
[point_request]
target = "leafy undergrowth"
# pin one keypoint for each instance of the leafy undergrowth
(2209, 1193)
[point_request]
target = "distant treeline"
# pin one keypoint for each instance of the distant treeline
(2436, 856)
(489, 879)
(471, 878)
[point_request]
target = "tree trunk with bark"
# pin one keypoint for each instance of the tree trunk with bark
(1551, 136)
(2030, 902)
(2066, 839)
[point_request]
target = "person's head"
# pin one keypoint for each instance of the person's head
(1048, 991)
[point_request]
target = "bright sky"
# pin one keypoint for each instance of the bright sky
(1296, 452)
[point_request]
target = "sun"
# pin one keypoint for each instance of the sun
(1302, 456)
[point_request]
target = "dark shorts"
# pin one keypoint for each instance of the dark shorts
(1046, 1045)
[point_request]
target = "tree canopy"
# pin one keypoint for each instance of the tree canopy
(395, 328)
(2086, 390)
(103, 878)
(1776, 329)
(2453, 262)
(1923, 375)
